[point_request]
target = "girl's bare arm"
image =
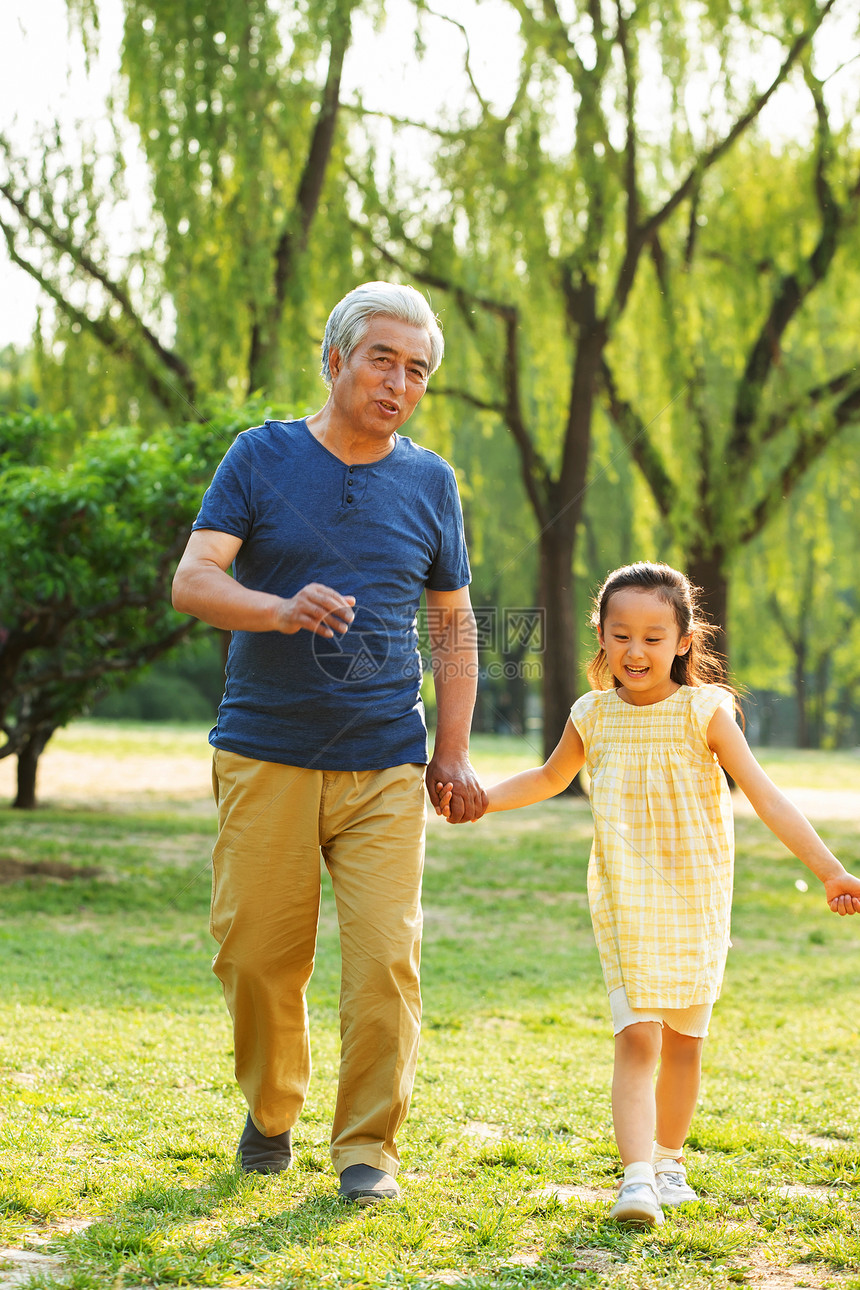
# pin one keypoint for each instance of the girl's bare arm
(781, 816)
(541, 782)
(535, 785)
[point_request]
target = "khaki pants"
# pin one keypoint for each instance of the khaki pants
(369, 825)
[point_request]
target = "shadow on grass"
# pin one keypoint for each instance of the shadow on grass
(189, 1235)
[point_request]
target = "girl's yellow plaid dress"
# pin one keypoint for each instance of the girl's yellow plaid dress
(660, 874)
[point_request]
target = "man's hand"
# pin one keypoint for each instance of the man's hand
(316, 608)
(468, 800)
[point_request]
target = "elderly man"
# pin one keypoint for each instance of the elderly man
(334, 525)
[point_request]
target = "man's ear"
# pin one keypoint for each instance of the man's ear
(334, 363)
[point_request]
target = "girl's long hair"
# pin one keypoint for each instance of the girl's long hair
(701, 665)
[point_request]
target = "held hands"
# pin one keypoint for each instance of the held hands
(316, 608)
(464, 799)
(843, 894)
(444, 792)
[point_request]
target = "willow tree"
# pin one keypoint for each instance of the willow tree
(239, 229)
(543, 213)
(795, 601)
(746, 325)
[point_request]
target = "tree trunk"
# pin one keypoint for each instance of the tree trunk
(515, 690)
(559, 657)
(28, 762)
(266, 343)
(706, 570)
(819, 700)
(799, 670)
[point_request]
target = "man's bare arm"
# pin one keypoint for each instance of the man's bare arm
(453, 640)
(203, 588)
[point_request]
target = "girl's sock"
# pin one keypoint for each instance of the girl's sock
(666, 1153)
(639, 1171)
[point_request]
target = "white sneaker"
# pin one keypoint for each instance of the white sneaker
(638, 1204)
(672, 1185)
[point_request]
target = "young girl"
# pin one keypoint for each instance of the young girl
(656, 734)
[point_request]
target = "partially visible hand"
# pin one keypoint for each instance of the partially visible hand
(468, 800)
(444, 792)
(318, 609)
(843, 894)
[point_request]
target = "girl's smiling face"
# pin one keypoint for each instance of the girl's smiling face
(640, 638)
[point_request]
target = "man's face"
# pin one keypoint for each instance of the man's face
(382, 382)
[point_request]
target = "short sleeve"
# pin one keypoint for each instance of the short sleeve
(705, 701)
(583, 714)
(450, 568)
(226, 505)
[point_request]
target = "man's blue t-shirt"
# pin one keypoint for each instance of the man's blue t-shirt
(381, 532)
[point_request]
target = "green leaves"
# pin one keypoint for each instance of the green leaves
(89, 547)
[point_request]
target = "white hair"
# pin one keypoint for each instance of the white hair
(349, 320)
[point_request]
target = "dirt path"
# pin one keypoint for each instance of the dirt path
(129, 780)
(816, 803)
(111, 779)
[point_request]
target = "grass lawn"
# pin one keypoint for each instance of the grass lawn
(119, 1114)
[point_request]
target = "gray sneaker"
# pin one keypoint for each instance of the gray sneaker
(638, 1204)
(258, 1154)
(672, 1185)
(366, 1185)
